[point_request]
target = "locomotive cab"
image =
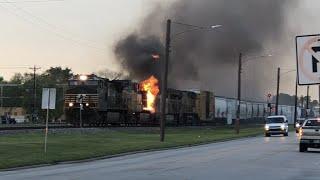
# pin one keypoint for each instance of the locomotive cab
(84, 89)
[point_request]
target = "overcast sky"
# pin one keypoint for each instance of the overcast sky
(71, 33)
(80, 33)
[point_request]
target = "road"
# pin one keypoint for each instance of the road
(257, 158)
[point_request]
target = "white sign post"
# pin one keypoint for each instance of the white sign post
(48, 102)
(308, 58)
(79, 100)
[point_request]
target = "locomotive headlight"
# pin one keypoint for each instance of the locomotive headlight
(87, 104)
(83, 77)
(71, 104)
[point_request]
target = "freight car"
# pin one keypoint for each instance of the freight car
(250, 112)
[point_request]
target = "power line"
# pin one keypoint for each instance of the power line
(31, 1)
(14, 67)
(37, 21)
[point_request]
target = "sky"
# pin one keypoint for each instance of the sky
(80, 34)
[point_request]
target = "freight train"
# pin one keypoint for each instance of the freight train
(94, 101)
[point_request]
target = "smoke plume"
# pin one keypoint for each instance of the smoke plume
(208, 59)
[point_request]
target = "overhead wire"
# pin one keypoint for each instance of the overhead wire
(30, 1)
(45, 25)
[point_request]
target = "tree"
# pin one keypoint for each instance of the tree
(58, 75)
(314, 103)
(17, 78)
(285, 99)
(109, 74)
(55, 77)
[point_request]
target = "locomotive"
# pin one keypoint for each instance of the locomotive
(100, 102)
(94, 101)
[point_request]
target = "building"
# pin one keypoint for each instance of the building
(17, 113)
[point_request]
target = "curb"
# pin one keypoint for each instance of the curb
(127, 153)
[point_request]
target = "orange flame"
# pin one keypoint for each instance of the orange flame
(150, 86)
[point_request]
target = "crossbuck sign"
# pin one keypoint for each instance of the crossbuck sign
(308, 58)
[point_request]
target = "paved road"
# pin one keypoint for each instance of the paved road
(253, 158)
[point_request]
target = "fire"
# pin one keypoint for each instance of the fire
(150, 86)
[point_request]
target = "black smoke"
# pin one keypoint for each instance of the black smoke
(135, 53)
(208, 59)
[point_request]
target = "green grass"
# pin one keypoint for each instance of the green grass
(27, 149)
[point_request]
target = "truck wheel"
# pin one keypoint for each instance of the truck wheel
(267, 135)
(303, 148)
(286, 134)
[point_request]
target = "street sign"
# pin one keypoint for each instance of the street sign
(308, 58)
(48, 98)
(48, 102)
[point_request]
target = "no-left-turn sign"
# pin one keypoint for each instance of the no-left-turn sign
(308, 58)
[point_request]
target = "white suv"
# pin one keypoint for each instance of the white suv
(276, 125)
(310, 134)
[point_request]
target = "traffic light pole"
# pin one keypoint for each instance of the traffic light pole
(307, 104)
(237, 123)
(278, 87)
(295, 104)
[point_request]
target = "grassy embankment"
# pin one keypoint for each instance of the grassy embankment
(27, 148)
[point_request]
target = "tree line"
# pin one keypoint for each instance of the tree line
(22, 95)
(57, 77)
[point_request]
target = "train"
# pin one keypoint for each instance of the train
(90, 100)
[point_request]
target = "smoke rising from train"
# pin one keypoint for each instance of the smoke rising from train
(208, 59)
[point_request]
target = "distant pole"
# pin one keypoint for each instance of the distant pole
(165, 82)
(277, 97)
(1, 96)
(237, 123)
(34, 92)
(307, 114)
(319, 96)
(295, 104)
(319, 102)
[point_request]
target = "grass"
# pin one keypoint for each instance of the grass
(27, 149)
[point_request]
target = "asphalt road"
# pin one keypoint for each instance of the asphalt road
(257, 158)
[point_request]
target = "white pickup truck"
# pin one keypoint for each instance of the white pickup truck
(310, 134)
(276, 125)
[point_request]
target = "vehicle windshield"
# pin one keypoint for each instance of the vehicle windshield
(275, 120)
(312, 123)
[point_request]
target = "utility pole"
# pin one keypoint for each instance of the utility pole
(237, 123)
(34, 68)
(1, 96)
(307, 113)
(295, 104)
(319, 103)
(165, 82)
(278, 87)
